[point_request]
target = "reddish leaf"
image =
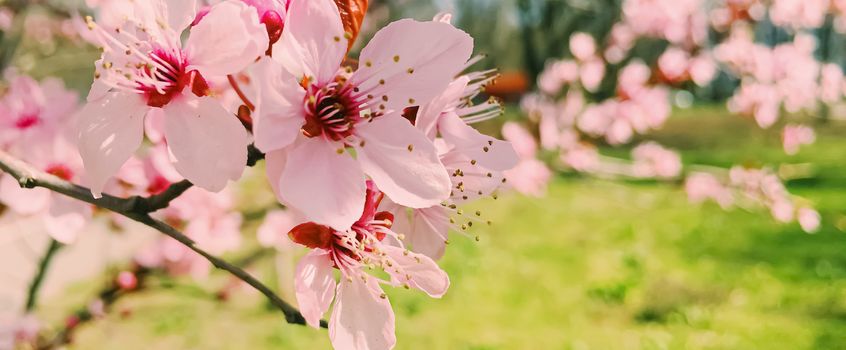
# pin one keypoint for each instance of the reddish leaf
(352, 14)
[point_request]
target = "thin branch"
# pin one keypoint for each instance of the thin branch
(163, 199)
(35, 286)
(146, 205)
(112, 292)
(29, 177)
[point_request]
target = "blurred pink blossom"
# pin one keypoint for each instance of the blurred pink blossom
(795, 136)
(809, 220)
(703, 186)
(582, 46)
(305, 126)
(653, 160)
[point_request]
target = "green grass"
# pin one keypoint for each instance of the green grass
(594, 265)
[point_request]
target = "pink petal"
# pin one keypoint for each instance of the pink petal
(426, 230)
(402, 162)
(411, 62)
(208, 144)
(522, 141)
(275, 228)
(362, 319)
(180, 13)
(327, 187)
(227, 40)
(315, 285)
(24, 201)
(312, 43)
(429, 114)
(279, 108)
(66, 219)
(274, 164)
(154, 125)
(111, 129)
(419, 271)
(487, 151)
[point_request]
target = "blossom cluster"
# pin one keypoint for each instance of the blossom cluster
(701, 40)
(372, 156)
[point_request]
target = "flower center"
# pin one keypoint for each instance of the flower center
(353, 245)
(27, 121)
(331, 111)
(61, 171)
(168, 77)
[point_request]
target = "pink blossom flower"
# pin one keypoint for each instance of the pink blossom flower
(37, 116)
(809, 220)
(782, 211)
(582, 46)
(702, 69)
(274, 223)
(144, 66)
(583, 158)
(759, 100)
(362, 317)
(633, 77)
(7, 18)
(703, 186)
(653, 160)
(33, 112)
(475, 161)
(18, 330)
(591, 74)
(272, 14)
(529, 177)
(673, 64)
(799, 13)
(207, 218)
(310, 112)
(832, 83)
(795, 136)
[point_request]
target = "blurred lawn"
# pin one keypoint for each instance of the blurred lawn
(595, 265)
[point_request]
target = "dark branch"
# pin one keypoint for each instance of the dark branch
(35, 286)
(162, 200)
(29, 177)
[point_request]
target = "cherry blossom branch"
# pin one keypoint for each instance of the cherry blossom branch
(29, 177)
(108, 296)
(35, 286)
(113, 291)
(162, 200)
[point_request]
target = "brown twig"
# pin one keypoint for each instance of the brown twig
(28, 177)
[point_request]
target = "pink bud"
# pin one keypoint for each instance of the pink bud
(274, 23)
(127, 281)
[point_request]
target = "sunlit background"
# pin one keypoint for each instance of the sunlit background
(595, 258)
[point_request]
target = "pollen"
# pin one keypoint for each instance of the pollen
(396, 58)
(410, 148)
(337, 39)
(410, 71)
(411, 101)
